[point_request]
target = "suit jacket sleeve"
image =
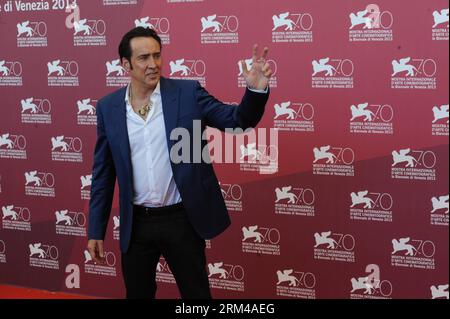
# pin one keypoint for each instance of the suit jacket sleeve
(103, 181)
(221, 116)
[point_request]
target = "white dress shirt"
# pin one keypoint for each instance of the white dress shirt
(153, 180)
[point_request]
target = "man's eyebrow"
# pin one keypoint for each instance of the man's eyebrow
(149, 54)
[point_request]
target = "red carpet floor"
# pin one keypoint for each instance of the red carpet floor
(14, 292)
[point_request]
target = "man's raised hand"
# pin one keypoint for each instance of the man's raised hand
(258, 76)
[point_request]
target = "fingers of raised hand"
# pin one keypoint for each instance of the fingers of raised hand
(267, 71)
(265, 52)
(255, 53)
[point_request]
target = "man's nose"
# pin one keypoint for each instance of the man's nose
(151, 62)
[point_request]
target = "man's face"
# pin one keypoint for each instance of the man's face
(146, 61)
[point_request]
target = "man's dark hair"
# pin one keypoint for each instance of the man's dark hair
(125, 47)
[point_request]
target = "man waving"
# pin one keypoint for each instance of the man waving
(166, 208)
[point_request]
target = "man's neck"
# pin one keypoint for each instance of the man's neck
(140, 92)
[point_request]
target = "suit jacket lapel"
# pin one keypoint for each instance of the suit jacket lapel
(122, 130)
(170, 105)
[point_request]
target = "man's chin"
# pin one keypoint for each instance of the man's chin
(152, 83)
(152, 80)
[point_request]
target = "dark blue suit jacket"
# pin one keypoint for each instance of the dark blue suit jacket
(182, 102)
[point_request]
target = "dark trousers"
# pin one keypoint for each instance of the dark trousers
(164, 231)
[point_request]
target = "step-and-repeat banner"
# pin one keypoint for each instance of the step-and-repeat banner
(341, 193)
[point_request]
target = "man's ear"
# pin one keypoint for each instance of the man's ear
(126, 64)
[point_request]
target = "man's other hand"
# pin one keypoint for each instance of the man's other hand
(95, 248)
